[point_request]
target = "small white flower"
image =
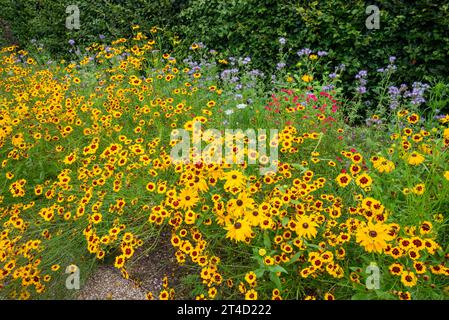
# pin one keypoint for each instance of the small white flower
(229, 112)
(241, 106)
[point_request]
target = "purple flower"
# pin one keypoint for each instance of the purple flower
(101, 36)
(322, 53)
(333, 75)
(393, 91)
(361, 81)
(417, 93)
(394, 94)
(246, 60)
(361, 90)
(282, 41)
(280, 65)
(361, 74)
(403, 87)
(304, 52)
(391, 67)
(72, 42)
(256, 73)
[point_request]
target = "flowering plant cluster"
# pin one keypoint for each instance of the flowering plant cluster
(87, 178)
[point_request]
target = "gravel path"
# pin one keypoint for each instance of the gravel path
(146, 271)
(107, 283)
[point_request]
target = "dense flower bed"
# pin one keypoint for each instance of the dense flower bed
(87, 177)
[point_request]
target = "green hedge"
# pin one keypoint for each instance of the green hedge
(416, 32)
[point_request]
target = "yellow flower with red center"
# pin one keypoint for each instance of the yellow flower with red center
(251, 295)
(250, 277)
(409, 279)
(343, 179)
(364, 180)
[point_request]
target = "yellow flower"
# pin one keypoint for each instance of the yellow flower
(234, 180)
(306, 227)
(164, 295)
(329, 296)
(250, 277)
(446, 133)
(188, 198)
(413, 118)
(149, 296)
(415, 158)
(446, 175)
(251, 295)
(383, 165)
(239, 230)
(409, 279)
(419, 189)
(364, 180)
(343, 179)
(373, 237)
(119, 261)
(55, 267)
(238, 207)
(307, 78)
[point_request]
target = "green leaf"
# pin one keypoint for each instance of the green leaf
(311, 245)
(275, 279)
(266, 240)
(277, 269)
(385, 295)
(360, 296)
(294, 258)
(284, 221)
(259, 272)
(355, 269)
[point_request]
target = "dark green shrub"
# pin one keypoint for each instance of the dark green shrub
(416, 33)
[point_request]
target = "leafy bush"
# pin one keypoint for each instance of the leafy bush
(416, 33)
